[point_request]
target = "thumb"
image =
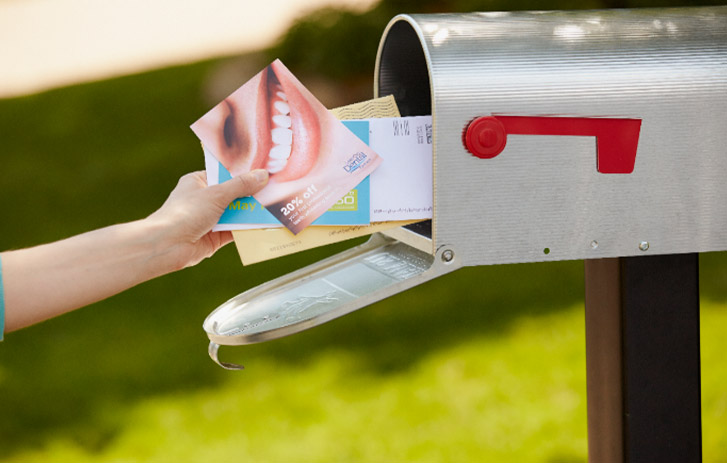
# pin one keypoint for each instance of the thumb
(243, 185)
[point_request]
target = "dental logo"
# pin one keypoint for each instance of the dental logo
(355, 162)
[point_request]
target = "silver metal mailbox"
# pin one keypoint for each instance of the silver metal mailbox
(543, 198)
(557, 135)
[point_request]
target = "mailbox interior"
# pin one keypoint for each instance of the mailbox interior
(402, 70)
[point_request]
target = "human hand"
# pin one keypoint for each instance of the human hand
(186, 218)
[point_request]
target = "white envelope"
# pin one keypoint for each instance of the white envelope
(401, 188)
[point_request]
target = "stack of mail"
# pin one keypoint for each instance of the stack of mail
(334, 175)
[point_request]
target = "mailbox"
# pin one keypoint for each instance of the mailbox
(617, 126)
(556, 135)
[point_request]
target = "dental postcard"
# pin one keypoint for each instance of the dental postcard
(269, 243)
(273, 122)
(401, 193)
(247, 213)
(400, 189)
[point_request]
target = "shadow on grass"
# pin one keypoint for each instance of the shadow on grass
(88, 156)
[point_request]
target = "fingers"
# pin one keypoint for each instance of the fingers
(192, 181)
(243, 185)
(225, 237)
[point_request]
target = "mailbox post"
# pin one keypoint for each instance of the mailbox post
(642, 359)
(589, 135)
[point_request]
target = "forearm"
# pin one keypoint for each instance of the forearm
(52, 279)
(48, 280)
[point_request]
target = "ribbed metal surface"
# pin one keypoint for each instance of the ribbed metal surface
(667, 67)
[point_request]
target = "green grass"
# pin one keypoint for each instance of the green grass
(484, 397)
(486, 364)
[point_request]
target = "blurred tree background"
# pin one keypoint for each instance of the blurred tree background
(487, 364)
(341, 45)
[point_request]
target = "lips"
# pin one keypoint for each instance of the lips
(290, 129)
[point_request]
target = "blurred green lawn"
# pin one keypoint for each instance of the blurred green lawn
(487, 364)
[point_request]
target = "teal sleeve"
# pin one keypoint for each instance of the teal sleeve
(2, 301)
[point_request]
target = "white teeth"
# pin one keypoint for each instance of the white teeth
(281, 152)
(282, 121)
(276, 165)
(282, 107)
(282, 136)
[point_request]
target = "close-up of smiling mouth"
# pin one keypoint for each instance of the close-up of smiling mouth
(291, 130)
(281, 133)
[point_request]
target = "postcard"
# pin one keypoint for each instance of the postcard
(248, 214)
(401, 193)
(400, 189)
(273, 122)
(260, 245)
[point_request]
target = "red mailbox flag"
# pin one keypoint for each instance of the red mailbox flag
(616, 139)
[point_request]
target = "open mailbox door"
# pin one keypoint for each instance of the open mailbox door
(556, 136)
(321, 292)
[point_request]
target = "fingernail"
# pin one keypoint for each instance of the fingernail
(261, 175)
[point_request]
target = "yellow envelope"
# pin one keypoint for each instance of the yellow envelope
(378, 107)
(269, 243)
